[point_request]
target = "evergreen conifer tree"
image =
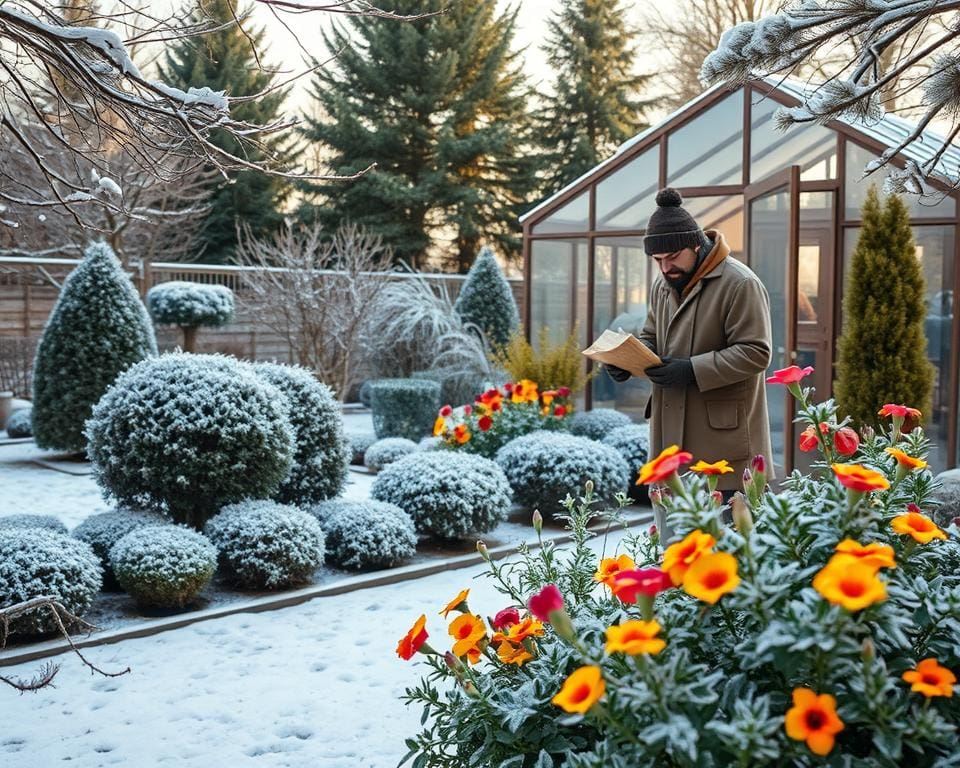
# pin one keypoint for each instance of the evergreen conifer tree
(439, 104)
(225, 61)
(96, 330)
(595, 104)
(487, 301)
(883, 351)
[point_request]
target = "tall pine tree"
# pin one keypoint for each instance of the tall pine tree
(225, 61)
(439, 105)
(595, 104)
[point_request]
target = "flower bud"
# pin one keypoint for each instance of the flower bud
(759, 464)
(747, 478)
(808, 439)
(742, 517)
(846, 441)
(455, 665)
(717, 497)
(656, 497)
(867, 433)
(537, 521)
(652, 531)
(868, 651)
(482, 550)
(588, 486)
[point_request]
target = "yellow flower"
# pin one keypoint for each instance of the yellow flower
(711, 577)
(680, 556)
(920, 527)
(439, 426)
(529, 627)
(611, 566)
(905, 460)
(635, 637)
(581, 690)
(930, 679)
(458, 603)
(850, 583)
(813, 719)
(467, 630)
(717, 468)
(509, 653)
(875, 554)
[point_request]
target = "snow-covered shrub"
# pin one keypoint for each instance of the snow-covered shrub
(163, 566)
(598, 423)
(543, 466)
(186, 434)
(430, 444)
(359, 442)
(36, 562)
(97, 328)
(266, 545)
(633, 443)
(450, 495)
(103, 530)
(946, 497)
(387, 451)
(457, 387)
(486, 300)
(404, 407)
(47, 522)
(190, 304)
(365, 392)
(20, 423)
(366, 534)
(319, 468)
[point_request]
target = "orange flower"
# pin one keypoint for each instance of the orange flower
(524, 391)
(547, 397)
(711, 577)
(474, 654)
(717, 468)
(875, 555)
(859, 478)
(411, 642)
(458, 603)
(809, 440)
(529, 627)
(850, 583)
(930, 679)
(461, 434)
(439, 426)
(813, 719)
(467, 630)
(581, 690)
(900, 411)
(920, 527)
(658, 470)
(680, 556)
(634, 638)
(509, 653)
(611, 566)
(905, 460)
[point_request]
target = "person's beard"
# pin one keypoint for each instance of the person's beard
(679, 281)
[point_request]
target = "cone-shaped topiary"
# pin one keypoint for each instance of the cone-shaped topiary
(487, 301)
(883, 352)
(97, 329)
(190, 305)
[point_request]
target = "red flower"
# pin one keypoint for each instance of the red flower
(446, 411)
(508, 387)
(662, 467)
(559, 411)
(468, 409)
(642, 581)
(545, 602)
(808, 439)
(846, 441)
(563, 391)
(411, 642)
(790, 375)
(759, 464)
(495, 406)
(485, 423)
(506, 618)
(900, 411)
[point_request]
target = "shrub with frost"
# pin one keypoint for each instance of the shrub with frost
(598, 423)
(190, 305)
(187, 434)
(266, 545)
(486, 300)
(449, 495)
(319, 469)
(47, 522)
(387, 451)
(103, 530)
(20, 423)
(457, 386)
(97, 329)
(633, 443)
(358, 444)
(404, 407)
(366, 534)
(542, 467)
(36, 562)
(163, 566)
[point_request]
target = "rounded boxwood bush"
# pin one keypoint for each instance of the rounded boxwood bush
(449, 495)
(266, 545)
(190, 304)
(47, 522)
(319, 468)
(387, 451)
(35, 562)
(366, 534)
(163, 566)
(404, 407)
(598, 423)
(20, 423)
(105, 529)
(358, 443)
(457, 387)
(543, 467)
(187, 434)
(633, 443)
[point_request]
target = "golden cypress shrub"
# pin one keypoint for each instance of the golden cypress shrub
(550, 365)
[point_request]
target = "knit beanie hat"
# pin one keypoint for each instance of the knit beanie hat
(671, 228)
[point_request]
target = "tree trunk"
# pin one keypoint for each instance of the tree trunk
(189, 338)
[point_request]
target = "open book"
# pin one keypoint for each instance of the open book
(624, 350)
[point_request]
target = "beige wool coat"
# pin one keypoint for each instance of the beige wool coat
(723, 325)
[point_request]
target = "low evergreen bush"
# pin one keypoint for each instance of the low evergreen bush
(266, 545)
(358, 444)
(105, 529)
(46, 522)
(190, 304)
(387, 451)
(448, 495)
(598, 423)
(366, 534)
(163, 566)
(20, 423)
(456, 386)
(404, 407)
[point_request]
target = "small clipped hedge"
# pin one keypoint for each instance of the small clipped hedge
(190, 304)
(543, 466)
(358, 444)
(457, 387)
(35, 562)
(366, 534)
(598, 423)
(47, 522)
(266, 545)
(404, 407)
(387, 451)
(163, 566)
(449, 495)
(20, 423)
(633, 443)
(103, 530)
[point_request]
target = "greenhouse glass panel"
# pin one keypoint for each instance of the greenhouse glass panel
(552, 265)
(626, 198)
(812, 147)
(709, 149)
(723, 213)
(856, 189)
(572, 217)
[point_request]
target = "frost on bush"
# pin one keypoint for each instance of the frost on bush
(20, 423)
(366, 534)
(486, 301)
(387, 451)
(598, 423)
(946, 497)
(319, 469)
(186, 434)
(449, 495)
(633, 443)
(97, 328)
(190, 304)
(103, 530)
(457, 386)
(36, 562)
(358, 444)
(404, 407)
(542, 467)
(266, 545)
(163, 566)
(47, 522)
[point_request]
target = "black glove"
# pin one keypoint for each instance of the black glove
(619, 375)
(673, 372)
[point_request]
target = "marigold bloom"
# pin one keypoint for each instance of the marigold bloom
(717, 468)
(545, 602)
(634, 638)
(808, 439)
(856, 477)
(485, 422)
(559, 411)
(919, 526)
(850, 583)
(626, 585)
(680, 556)
(581, 690)
(610, 566)
(905, 460)
(519, 632)
(439, 426)
(900, 411)
(458, 603)
(668, 462)
(711, 577)
(524, 391)
(461, 433)
(411, 642)
(505, 618)
(813, 719)
(789, 375)
(466, 630)
(930, 679)
(875, 554)
(474, 654)
(846, 441)
(547, 397)
(509, 653)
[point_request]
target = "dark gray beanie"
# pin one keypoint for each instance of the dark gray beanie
(670, 227)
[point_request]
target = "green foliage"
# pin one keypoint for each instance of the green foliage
(190, 304)
(456, 385)
(486, 300)
(404, 407)
(550, 365)
(97, 329)
(883, 350)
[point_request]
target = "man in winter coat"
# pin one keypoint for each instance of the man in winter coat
(709, 321)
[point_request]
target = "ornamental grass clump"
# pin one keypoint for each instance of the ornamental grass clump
(366, 534)
(387, 451)
(823, 627)
(598, 423)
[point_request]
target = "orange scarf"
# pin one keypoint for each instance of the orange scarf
(720, 251)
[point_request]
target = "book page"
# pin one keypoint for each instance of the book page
(623, 350)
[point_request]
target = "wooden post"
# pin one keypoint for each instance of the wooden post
(26, 309)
